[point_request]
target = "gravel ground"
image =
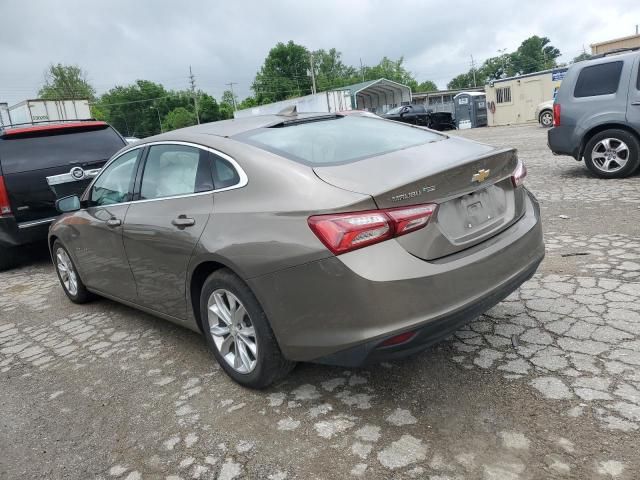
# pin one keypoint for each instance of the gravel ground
(545, 385)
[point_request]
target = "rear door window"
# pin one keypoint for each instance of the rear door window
(602, 79)
(37, 151)
(339, 140)
(171, 170)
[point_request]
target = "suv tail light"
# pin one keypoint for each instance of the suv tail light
(344, 232)
(556, 114)
(519, 174)
(5, 206)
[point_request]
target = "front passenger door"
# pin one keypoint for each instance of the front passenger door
(102, 261)
(165, 221)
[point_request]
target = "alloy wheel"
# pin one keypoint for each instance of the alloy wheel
(67, 272)
(232, 331)
(610, 155)
(546, 119)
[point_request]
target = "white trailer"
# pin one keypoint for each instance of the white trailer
(324, 102)
(33, 111)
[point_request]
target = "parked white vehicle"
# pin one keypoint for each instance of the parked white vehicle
(544, 113)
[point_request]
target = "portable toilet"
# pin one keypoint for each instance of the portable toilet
(471, 109)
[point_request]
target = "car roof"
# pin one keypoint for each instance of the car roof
(235, 126)
(49, 127)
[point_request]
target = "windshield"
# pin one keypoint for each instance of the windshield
(338, 140)
(393, 111)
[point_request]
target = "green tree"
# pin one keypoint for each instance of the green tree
(208, 108)
(283, 74)
(427, 86)
(533, 55)
(66, 82)
(464, 80)
(179, 117)
(581, 57)
(330, 71)
(226, 104)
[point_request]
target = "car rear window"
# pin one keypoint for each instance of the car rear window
(338, 140)
(36, 151)
(599, 79)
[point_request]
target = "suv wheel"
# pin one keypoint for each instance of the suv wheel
(68, 275)
(546, 118)
(612, 154)
(238, 332)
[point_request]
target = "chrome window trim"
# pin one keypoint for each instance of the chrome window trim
(243, 179)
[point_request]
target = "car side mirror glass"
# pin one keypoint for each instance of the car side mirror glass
(68, 204)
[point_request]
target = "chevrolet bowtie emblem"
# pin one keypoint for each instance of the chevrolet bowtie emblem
(481, 176)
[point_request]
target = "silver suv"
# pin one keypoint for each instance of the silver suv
(596, 114)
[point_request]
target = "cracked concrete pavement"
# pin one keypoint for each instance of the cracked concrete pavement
(544, 385)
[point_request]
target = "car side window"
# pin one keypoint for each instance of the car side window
(114, 183)
(172, 170)
(601, 79)
(638, 81)
(224, 174)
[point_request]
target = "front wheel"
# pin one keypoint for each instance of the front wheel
(612, 154)
(238, 332)
(68, 275)
(546, 118)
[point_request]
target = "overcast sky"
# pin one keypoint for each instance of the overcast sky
(118, 41)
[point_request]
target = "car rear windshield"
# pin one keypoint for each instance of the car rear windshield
(601, 79)
(338, 140)
(54, 148)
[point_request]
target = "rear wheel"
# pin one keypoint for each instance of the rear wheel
(612, 154)
(68, 275)
(238, 332)
(546, 118)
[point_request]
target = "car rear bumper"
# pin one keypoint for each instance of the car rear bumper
(339, 310)
(14, 234)
(561, 142)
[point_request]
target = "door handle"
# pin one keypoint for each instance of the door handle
(635, 103)
(114, 222)
(182, 221)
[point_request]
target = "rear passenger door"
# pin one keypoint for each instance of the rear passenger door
(172, 203)
(633, 108)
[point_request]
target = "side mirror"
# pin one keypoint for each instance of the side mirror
(68, 204)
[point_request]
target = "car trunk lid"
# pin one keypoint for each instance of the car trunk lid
(470, 182)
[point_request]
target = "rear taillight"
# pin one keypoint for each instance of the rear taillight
(343, 232)
(5, 206)
(556, 114)
(519, 174)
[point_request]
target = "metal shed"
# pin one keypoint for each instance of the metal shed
(378, 96)
(471, 109)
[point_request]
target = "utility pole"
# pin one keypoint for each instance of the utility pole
(233, 95)
(159, 120)
(313, 75)
(361, 70)
(473, 69)
(192, 80)
(504, 63)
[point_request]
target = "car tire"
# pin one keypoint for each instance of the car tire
(602, 158)
(68, 275)
(546, 118)
(254, 368)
